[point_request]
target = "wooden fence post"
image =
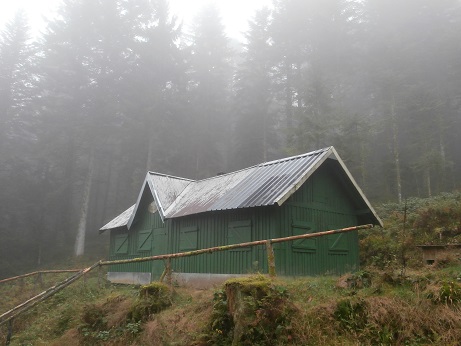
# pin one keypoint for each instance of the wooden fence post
(10, 332)
(270, 258)
(99, 277)
(40, 279)
(166, 272)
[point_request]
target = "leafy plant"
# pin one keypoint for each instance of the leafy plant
(449, 293)
(351, 314)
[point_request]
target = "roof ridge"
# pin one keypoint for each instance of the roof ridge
(296, 156)
(169, 176)
(314, 152)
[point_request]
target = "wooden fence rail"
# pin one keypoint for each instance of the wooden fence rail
(40, 272)
(43, 295)
(9, 315)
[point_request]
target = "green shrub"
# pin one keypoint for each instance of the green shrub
(434, 220)
(351, 315)
(153, 298)
(251, 311)
(449, 293)
(93, 317)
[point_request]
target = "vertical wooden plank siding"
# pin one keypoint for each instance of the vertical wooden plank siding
(323, 202)
(147, 222)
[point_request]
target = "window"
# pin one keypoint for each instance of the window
(304, 245)
(239, 232)
(188, 238)
(144, 240)
(121, 244)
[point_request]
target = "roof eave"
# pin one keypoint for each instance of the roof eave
(356, 186)
(102, 230)
(329, 153)
(148, 183)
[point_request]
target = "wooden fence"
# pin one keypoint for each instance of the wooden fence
(39, 275)
(11, 314)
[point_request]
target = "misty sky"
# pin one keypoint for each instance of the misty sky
(235, 13)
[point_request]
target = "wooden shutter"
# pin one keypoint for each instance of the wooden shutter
(188, 238)
(337, 242)
(304, 245)
(144, 240)
(121, 244)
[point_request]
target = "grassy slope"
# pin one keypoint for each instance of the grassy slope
(418, 308)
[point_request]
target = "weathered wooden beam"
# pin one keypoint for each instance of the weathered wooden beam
(234, 246)
(166, 272)
(39, 272)
(10, 332)
(43, 295)
(270, 258)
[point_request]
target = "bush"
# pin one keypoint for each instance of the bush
(153, 298)
(251, 311)
(448, 293)
(435, 220)
(351, 315)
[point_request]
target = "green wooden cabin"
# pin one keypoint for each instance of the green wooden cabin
(307, 193)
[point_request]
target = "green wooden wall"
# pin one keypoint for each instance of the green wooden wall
(320, 204)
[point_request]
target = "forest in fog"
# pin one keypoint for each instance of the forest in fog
(115, 88)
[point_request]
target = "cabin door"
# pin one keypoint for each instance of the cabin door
(159, 247)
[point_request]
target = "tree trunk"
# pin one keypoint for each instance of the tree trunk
(363, 165)
(150, 152)
(289, 104)
(64, 217)
(265, 137)
(428, 182)
(81, 231)
(395, 150)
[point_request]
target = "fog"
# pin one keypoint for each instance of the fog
(113, 89)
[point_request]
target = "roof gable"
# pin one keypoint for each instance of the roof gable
(164, 189)
(265, 184)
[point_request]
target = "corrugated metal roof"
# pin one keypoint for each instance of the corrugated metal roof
(164, 189)
(167, 188)
(119, 221)
(202, 195)
(261, 185)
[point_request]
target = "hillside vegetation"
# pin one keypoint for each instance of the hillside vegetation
(393, 300)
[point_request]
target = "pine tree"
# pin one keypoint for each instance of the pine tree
(86, 59)
(20, 173)
(16, 79)
(210, 80)
(254, 131)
